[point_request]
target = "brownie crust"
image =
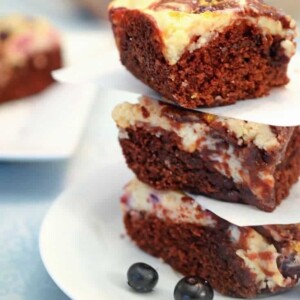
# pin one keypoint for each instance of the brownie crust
(240, 63)
(33, 77)
(154, 156)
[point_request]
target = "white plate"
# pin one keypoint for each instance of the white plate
(84, 249)
(48, 125)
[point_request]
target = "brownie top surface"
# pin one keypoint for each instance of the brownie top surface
(191, 24)
(248, 7)
(272, 135)
(196, 6)
(158, 114)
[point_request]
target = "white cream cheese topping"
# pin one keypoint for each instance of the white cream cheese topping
(166, 204)
(260, 134)
(126, 115)
(261, 258)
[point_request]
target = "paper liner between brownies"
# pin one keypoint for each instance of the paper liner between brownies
(288, 212)
(280, 108)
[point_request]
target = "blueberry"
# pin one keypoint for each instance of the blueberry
(142, 277)
(193, 288)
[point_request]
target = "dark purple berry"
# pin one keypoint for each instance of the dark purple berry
(154, 199)
(193, 288)
(4, 35)
(142, 277)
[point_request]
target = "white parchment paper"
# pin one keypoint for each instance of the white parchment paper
(280, 108)
(288, 212)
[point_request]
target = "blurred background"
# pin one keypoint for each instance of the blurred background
(27, 189)
(289, 6)
(76, 13)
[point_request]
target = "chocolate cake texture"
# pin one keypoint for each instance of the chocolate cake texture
(30, 48)
(232, 160)
(237, 261)
(204, 53)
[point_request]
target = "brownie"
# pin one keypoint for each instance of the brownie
(204, 53)
(232, 160)
(30, 49)
(237, 261)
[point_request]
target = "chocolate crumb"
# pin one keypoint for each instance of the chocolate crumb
(145, 112)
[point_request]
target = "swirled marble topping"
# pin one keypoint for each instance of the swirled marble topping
(191, 24)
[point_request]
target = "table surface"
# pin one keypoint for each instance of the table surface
(27, 190)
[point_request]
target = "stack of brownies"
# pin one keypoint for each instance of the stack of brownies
(204, 53)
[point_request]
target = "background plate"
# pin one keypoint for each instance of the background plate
(48, 125)
(84, 249)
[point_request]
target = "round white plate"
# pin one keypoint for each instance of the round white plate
(84, 247)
